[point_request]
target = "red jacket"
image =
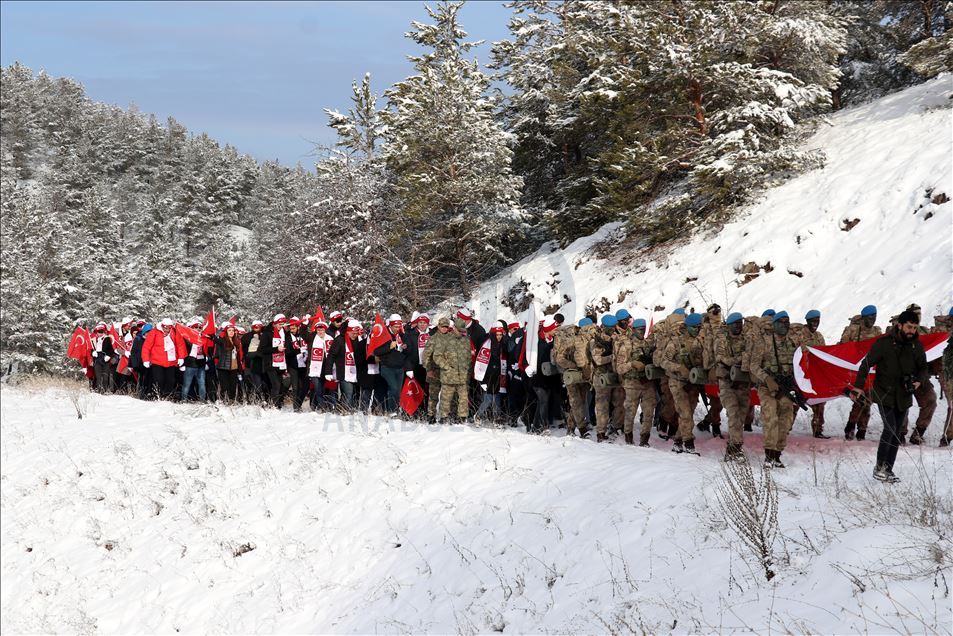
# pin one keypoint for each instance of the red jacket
(153, 349)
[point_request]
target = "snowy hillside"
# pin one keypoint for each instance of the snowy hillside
(873, 225)
(163, 518)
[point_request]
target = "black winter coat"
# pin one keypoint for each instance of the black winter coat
(895, 359)
(256, 362)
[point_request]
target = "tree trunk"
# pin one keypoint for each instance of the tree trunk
(695, 94)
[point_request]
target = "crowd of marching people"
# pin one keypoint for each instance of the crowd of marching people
(612, 373)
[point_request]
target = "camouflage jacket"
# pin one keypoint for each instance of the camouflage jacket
(774, 356)
(804, 337)
(630, 355)
(452, 356)
(581, 350)
(856, 331)
(600, 352)
(728, 353)
(564, 346)
(681, 354)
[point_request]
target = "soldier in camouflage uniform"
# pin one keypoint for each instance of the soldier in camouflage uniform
(433, 371)
(809, 336)
(771, 366)
(610, 397)
(925, 393)
(713, 325)
(587, 332)
(861, 327)
(735, 395)
(577, 385)
(631, 352)
(661, 334)
(682, 353)
(452, 356)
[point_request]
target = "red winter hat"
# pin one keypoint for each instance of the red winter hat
(464, 313)
(496, 330)
(335, 315)
(513, 325)
(549, 324)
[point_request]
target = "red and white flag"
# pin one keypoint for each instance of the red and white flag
(822, 373)
(208, 329)
(412, 396)
(80, 348)
(379, 335)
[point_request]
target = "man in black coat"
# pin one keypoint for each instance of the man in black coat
(901, 369)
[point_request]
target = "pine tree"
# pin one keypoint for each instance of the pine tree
(450, 160)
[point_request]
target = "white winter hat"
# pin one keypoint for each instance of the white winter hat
(394, 318)
(257, 322)
(335, 315)
(166, 322)
(354, 324)
(278, 317)
(127, 320)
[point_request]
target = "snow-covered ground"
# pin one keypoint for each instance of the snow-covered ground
(887, 161)
(162, 518)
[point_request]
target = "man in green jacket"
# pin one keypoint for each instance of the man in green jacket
(901, 369)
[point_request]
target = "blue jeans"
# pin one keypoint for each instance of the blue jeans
(395, 382)
(198, 375)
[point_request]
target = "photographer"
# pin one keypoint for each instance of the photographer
(901, 369)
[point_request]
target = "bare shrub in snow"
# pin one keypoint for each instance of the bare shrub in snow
(750, 508)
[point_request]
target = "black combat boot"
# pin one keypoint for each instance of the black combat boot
(916, 438)
(821, 435)
(777, 460)
(849, 431)
(862, 435)
(678, 448)
(768, 458)
(644, 439)
(690, 447)
(601, 437)
(628, 438)
(705, 424)
(716, 430)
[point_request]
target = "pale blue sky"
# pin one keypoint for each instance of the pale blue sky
(255, 75)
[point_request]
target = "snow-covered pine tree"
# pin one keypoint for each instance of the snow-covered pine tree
(450, 159)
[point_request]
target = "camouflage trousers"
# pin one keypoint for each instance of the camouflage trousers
(926, 400)
(577, 406)
(736, 399)
(668, 415)
(639, 392)
(433, 395)
(859, 417)
(947, 388)
(447, 392)
(777, 417)
(685, 395)
(610, 404)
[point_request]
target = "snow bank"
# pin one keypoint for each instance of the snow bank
(154, 517)
(869, 227)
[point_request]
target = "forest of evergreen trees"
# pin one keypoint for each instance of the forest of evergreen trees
(667, 115)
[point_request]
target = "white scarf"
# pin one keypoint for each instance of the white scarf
(421, 343)
(278, 357)
(319, 351)
(197, 352)
(482, 361)
(373, 368)
(350, 364)
(127, 344)
(169, 346)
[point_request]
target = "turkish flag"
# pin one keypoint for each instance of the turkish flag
(412, 396)
(822, 373)
(208, 329)
(317, 317)
(80, 348)
(379, 335)
(188, 334)
(118, 343)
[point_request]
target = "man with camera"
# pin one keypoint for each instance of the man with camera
(901, 369)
